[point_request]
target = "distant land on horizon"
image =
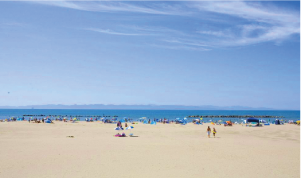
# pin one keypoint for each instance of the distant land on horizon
(135, 107)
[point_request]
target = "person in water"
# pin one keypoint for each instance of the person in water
(214, 132)
(208, 131)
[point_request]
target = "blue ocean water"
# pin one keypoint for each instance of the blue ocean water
(151, 114)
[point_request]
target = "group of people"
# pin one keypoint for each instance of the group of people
(8, 120)
(36, 120)
(209, 131)
(91, 119)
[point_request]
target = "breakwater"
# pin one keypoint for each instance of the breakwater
(41, 115)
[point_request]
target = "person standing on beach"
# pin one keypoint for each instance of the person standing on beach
(208, 131)
(214, 132)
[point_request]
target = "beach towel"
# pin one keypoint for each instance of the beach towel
(117, 135)
(118, 128)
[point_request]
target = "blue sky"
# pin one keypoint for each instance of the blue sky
(181, 53)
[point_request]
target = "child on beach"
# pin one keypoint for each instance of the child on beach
(214, 132)
(208, 131)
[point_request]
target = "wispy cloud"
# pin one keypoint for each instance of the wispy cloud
(180, 47)
(183, 44)
(216, 33)
(258, 22)
(108, 31)
(157, 30)
(182, 41)
(105, 6)
(13, 24)
(187, 42)
(274, 24)
(248, 10)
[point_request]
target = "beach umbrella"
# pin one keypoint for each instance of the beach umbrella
(122, 120)
(153, 123)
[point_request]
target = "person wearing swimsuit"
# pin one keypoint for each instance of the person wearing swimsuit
(214, 132)
(208, 131)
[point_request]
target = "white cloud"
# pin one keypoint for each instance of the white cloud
(271, 34)
(250, 11)
(156, 30)
(187, 42)
(180, 47)
(215, 33)
(258, 22)
(13, 24)
(108, 31)
(108, 6)
(275, 24)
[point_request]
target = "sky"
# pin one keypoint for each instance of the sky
(177, 53)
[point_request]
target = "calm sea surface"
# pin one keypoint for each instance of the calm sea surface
(151, 114)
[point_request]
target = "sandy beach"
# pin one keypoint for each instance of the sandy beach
(162, 150)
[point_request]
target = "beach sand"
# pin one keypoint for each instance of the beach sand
(162, 150)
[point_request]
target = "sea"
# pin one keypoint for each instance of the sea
(82, 114)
